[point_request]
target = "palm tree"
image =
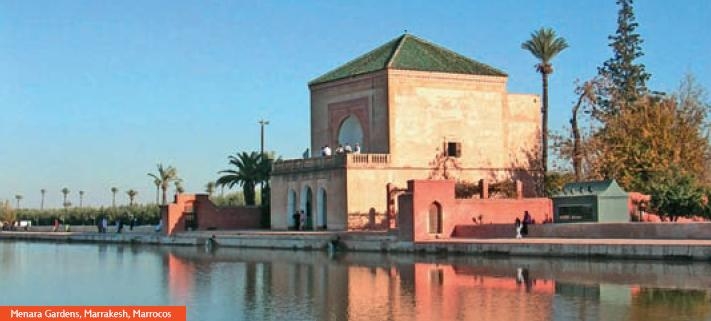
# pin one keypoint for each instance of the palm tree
(18, 198)
(210, 188)
(157, 183)
(178, 187)
(248, 173)
(43, 191)
(131, 195)
(81, 198)
(544, 45)
(114, 190)
(65, 192)
(164, 177)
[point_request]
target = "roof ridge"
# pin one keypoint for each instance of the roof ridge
(397, 51)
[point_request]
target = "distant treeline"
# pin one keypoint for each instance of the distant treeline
(144, 214)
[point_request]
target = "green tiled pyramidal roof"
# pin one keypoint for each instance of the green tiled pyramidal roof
(408, 52)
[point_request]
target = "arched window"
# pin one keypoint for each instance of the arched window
(291, 209)
(435, 218)
(350, 132)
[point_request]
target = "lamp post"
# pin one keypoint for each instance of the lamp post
(262, 122)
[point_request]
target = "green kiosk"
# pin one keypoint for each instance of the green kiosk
(595, 201)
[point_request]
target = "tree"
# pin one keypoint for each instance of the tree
(43, 191)
(81, 198)
(661, 133)
(7, 214)
(179, 187)
(628, 77)
(544, 45)
(250, 171)
(65, 193)
(210, 188)
(114, 190)
(18, 198)
(157, 183)
(575, 147)
(677, 194)
(131, 195)
(163, 178)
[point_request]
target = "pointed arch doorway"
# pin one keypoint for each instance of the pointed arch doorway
(307, 207)
(321, 204)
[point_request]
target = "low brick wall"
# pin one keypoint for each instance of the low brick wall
(664, 231)
(209, 216)
(367, 221)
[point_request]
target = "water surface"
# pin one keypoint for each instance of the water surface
(248, 284)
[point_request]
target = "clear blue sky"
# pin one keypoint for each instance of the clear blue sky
(94, 93)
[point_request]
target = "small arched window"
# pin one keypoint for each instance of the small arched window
(435, 218)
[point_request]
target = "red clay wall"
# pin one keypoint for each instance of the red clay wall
(461, 211)
(208, 215)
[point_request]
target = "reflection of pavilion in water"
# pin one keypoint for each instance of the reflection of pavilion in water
(273, 285)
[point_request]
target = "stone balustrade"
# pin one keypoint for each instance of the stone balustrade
(331, 162)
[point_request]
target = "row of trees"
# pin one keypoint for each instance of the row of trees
(66, 203)
(144, 214)
(649, 141)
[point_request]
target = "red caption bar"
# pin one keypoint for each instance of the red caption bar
(93, 313)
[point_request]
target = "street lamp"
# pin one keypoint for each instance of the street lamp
(262, 122)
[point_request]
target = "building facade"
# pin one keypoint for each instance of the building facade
(417, 111)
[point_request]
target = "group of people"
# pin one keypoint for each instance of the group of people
(522, 226)
(299, 220)
(341, 149)
(103, 224)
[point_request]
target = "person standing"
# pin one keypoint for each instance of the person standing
(297, 220)
(104, 225)
(526, 222)
(518, 228)
(356, 149)
(302, 219)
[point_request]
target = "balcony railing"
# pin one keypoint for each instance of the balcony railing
(331, 162)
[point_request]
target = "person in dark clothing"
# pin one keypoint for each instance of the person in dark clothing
(526, 222)
(120, 226)
(297, 220)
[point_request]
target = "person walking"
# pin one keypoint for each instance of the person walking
(518, 228)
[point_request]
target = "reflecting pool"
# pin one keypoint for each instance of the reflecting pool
(250, 284)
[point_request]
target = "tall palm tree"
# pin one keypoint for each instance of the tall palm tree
(164, 177)
(114, 190)
(248, 173)
(157, 183)
(544, 45)
(65, 192)
(43, 191)
(131, 195)
(18, 197)
(81, 198)
(210, 188)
